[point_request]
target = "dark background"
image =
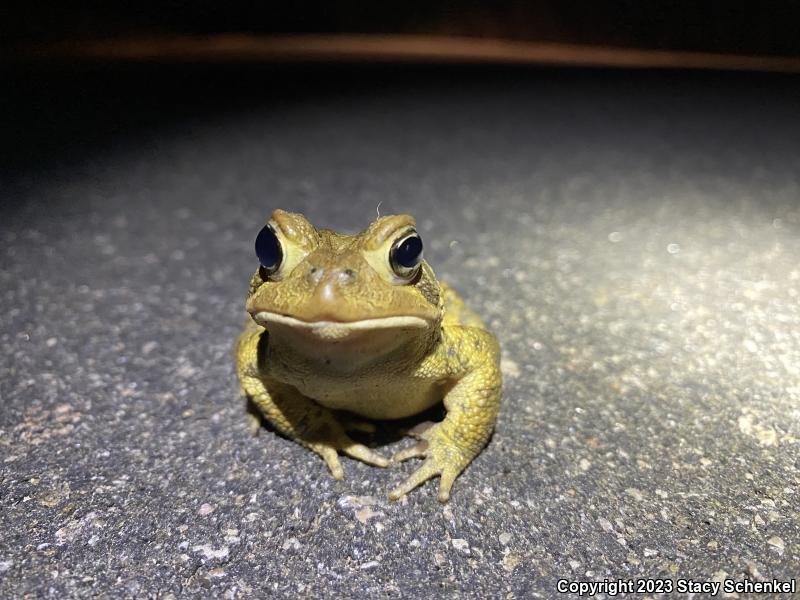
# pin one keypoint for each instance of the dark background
(159, 62)
(738, 27)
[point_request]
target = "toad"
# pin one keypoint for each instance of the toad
(346, 329)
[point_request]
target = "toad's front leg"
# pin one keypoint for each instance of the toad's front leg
(308, 423)
(472, 404)
(296, 416)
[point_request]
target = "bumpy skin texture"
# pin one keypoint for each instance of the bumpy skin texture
(337, 337)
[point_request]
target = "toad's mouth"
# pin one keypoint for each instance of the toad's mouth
(338, 329)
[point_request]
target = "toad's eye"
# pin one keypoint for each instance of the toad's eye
(406, 255)
(268, 249)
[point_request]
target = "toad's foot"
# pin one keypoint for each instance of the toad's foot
(418, 430)
(329, 441)
(443, 457)
(253, 424)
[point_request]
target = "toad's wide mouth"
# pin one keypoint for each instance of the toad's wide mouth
(342, 346)
(266, 318)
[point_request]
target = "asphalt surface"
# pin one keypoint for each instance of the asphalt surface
(633, 239)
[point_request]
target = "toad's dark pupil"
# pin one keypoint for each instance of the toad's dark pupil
(268, 249)
(409, 252)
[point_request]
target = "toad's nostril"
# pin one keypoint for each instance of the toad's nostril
(347, 276)
(314, 275)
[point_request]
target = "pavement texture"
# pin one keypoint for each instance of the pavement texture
(633, 239)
